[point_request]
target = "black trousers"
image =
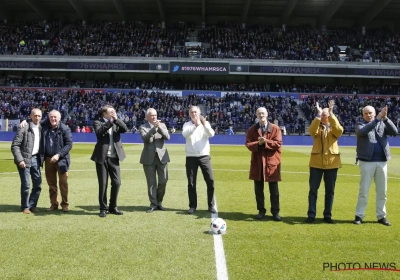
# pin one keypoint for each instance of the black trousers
(192, 165)
(273, 196)
(109, 168)
(330, 176)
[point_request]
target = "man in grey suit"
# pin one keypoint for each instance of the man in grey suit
(155, 158)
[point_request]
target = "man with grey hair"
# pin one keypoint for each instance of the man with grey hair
(373, 153)
(56, 145)
(155, 158)
(197, 131)
(264, 141)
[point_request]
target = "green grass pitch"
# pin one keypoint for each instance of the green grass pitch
(174, 245)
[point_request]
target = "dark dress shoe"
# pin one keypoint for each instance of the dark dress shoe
(357, 221)
(260, 215)
(159, 207)
(329, 220)
(276, 217)
(212, 210)
(103, 213)
(310, 220)
(384, 222)
(150, 210)
(115, 211)
(191, 210)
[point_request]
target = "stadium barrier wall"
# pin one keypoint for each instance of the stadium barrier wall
(238, 139)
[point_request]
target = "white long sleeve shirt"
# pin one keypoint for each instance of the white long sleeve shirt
(197, 143)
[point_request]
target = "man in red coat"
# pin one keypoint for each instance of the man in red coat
(264, 140)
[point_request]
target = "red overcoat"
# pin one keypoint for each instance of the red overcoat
(265, 158)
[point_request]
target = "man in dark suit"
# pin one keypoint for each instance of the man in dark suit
(155, 158)
(107, 154)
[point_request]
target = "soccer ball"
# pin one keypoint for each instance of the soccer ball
(218, 226)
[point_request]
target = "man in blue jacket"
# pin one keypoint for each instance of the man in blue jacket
(373, 153)
(56, 144)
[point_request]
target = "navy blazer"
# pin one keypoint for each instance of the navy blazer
(63, 142)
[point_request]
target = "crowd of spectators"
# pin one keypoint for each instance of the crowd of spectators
(133, 84)
(230, 40)
(43, 82)
(79, 108)
(304, 88)
(224, 40)
(164, 85)
(27, 38)
(121, 39)
(337, 89)
(14, 81)
(383, 90)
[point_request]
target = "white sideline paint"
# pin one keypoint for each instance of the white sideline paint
(220, 261)
(216, 169)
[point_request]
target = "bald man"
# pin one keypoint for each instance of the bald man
(264, 141)
(324, 160)
(373, 153)
(25, 149)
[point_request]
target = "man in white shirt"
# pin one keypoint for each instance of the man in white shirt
(197, 131)
(25, 149)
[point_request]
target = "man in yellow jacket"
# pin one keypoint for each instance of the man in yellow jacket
(324, 160)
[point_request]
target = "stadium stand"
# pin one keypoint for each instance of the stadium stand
(223, 40)
(228, 100)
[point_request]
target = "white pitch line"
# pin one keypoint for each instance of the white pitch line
(220, 261)
(215, 169)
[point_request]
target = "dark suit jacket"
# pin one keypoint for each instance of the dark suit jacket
(154, 144)
(103, 139)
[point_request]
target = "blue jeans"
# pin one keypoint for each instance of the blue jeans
(315, 180)
(26, 174)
